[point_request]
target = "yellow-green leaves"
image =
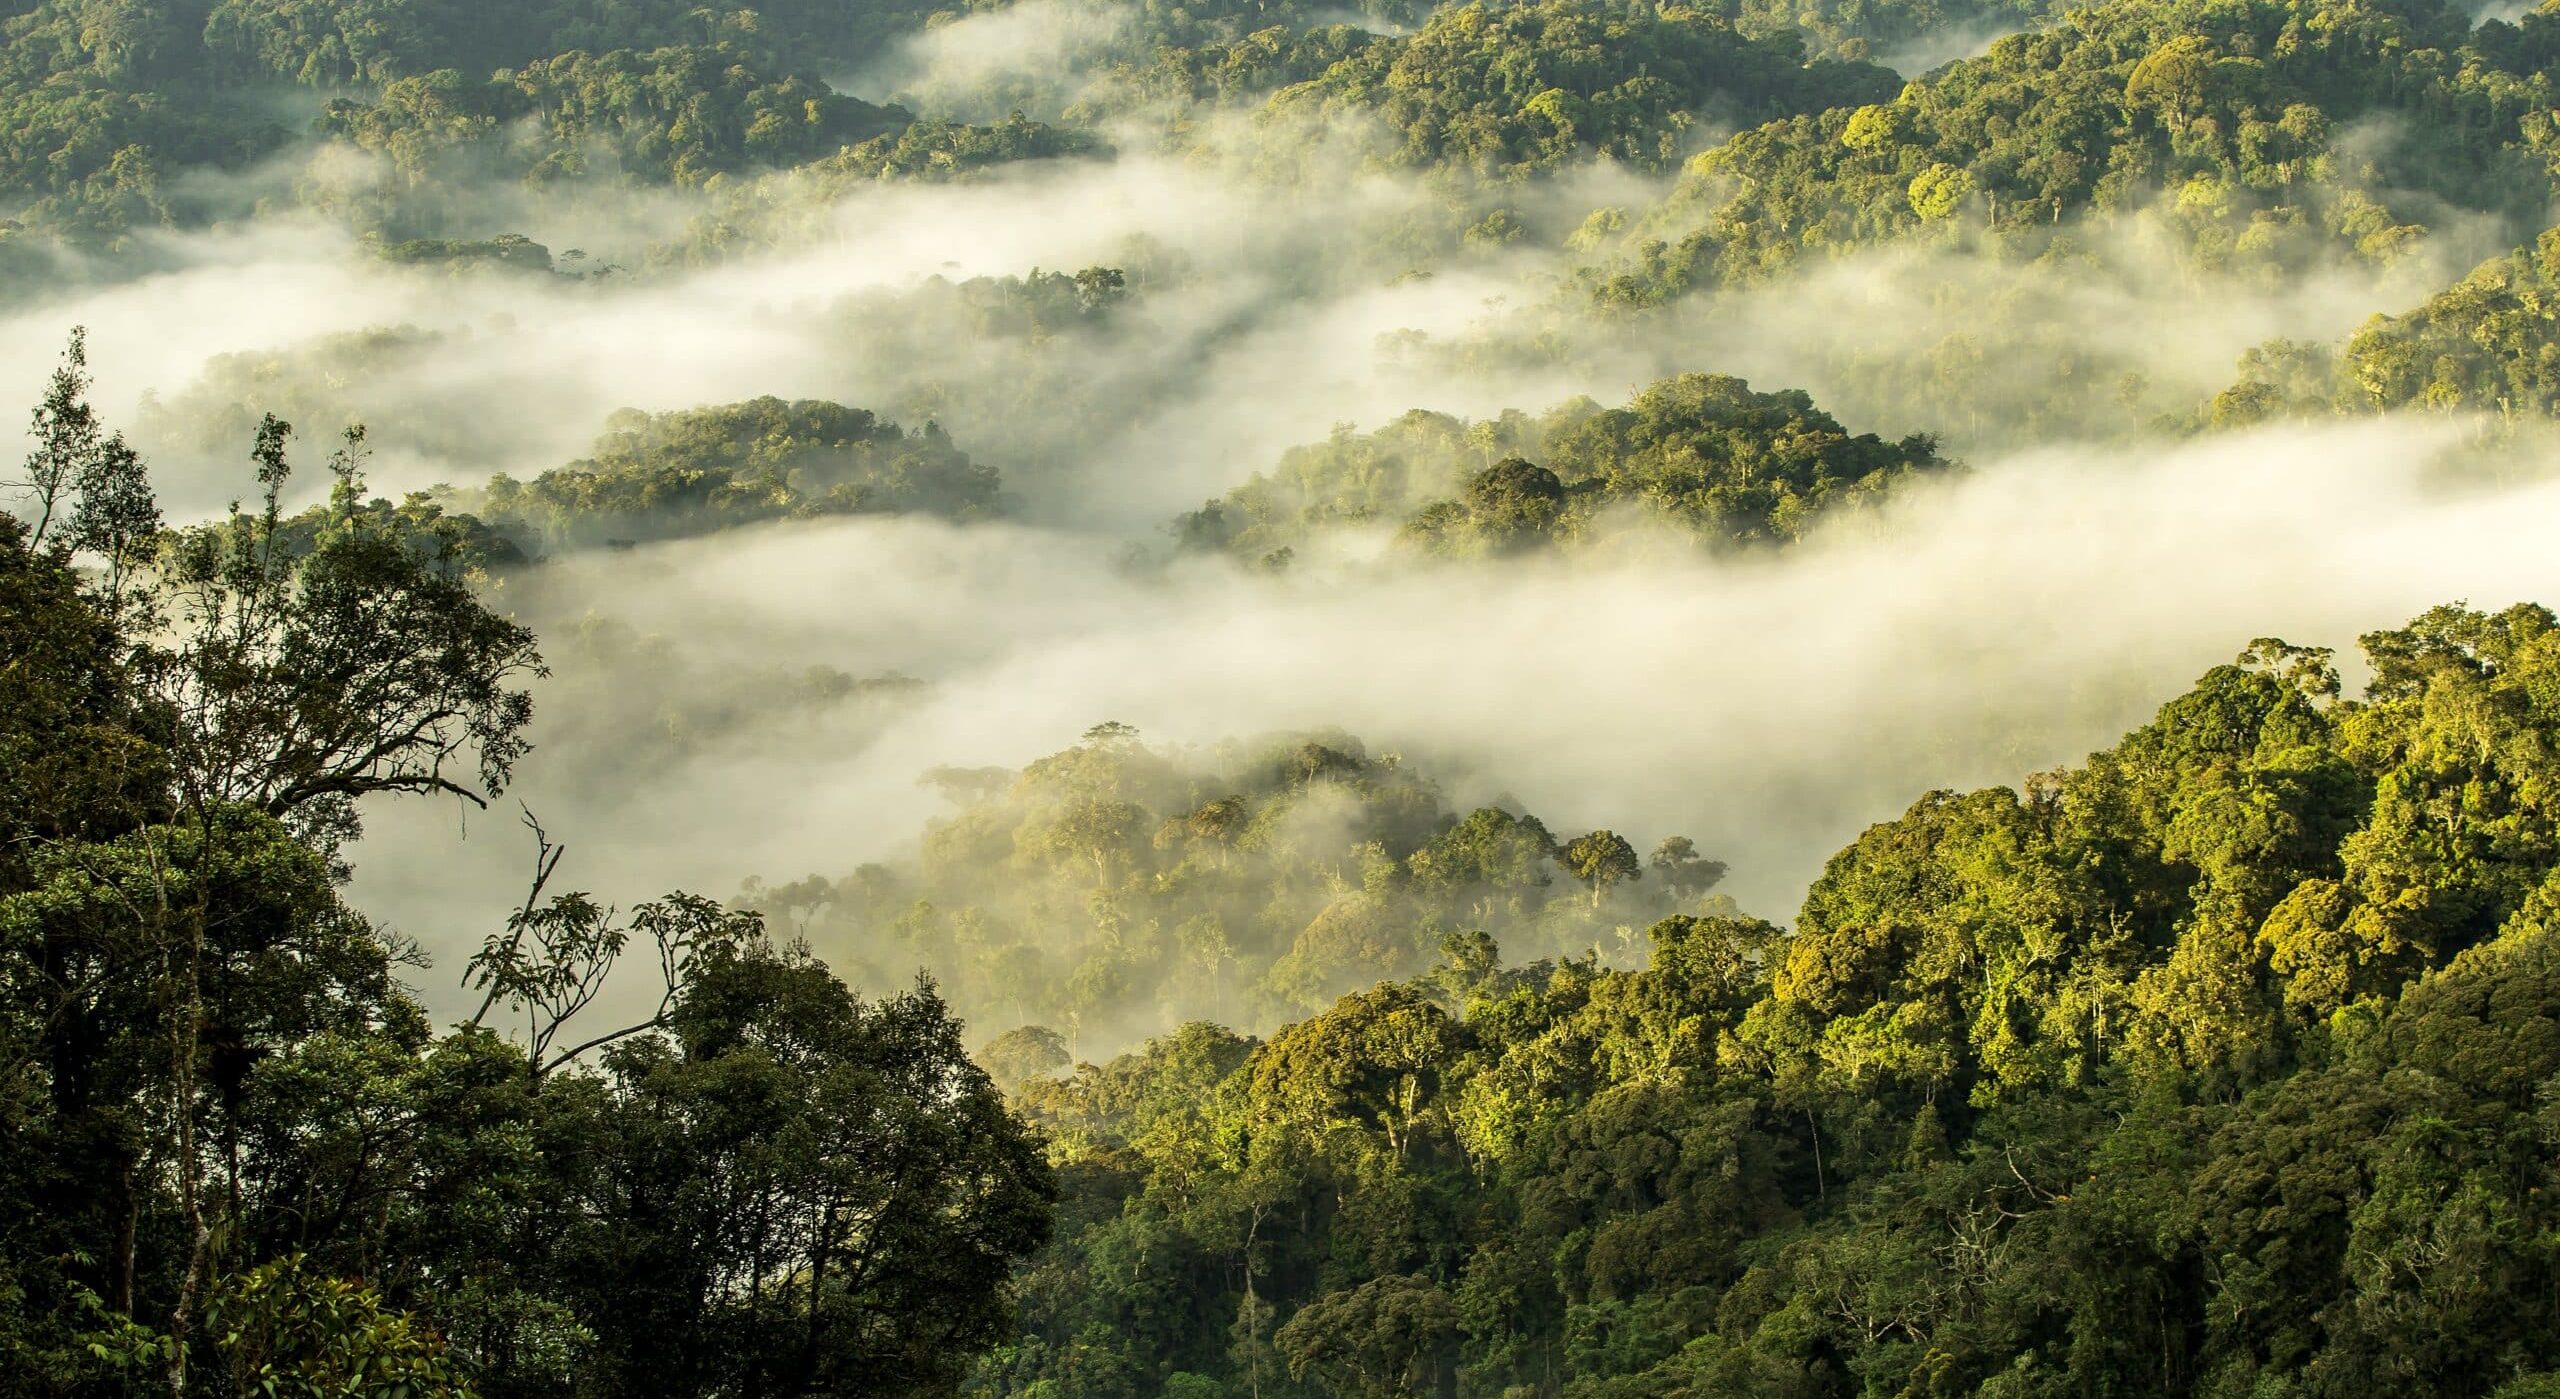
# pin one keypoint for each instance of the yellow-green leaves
(1939, 192)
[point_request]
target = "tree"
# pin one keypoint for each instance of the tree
(1704, 454)
(1682, 870)
(1098, 830)
(673, 475)
(1514, 502)
(90, 491)
(67, 438)
(1385, 1339)
(306, 680)
(2178, 75)
(1939, 191)
(1491, 847)
(2016, 1105)
(79, 740)
(1372, 1061)
(1112, 736)
(816, 1194)
(236, 1157)
(1219, 822)
(552, 958)
(1601, 859)
(1024, 1053)
(291, 1334)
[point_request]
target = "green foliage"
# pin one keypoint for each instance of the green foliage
(334, 658)
(1020, 1055)
(1386, 1338)
(1200, 57)
(509, 250)
(1601, 859)
(944, 149)
(2220, 1063)
(1354, 479)
(1513, 89)
(681, 115)
(2278, 380)
(1701, 453)
(235, 1159)
(2227, 114)
(2484, 343)
(670, 475)
(290, 1335)
(105, 100)
(2224, 1062)
(1113, 887)
(338, 43)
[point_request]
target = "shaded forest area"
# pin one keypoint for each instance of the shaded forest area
(1301, 1064)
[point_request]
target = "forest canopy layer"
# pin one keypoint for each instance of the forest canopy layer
(1107, 699)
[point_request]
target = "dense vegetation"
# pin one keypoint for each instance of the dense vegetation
(108, 103)
(2265, 133)
(1113, 887)
(2225, 1062)
(1008, 363)
(2216, 1063)
(235, 1158)
(2220, 1064)
(2486, 345)
(1701, 454)
(1511, 89)
(666, 475)
(650, 476)
(113, 104)
(2237, 113)
(677, 115)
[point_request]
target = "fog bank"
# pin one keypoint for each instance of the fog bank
(1770, 707)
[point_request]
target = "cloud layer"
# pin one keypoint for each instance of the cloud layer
(1769, 707)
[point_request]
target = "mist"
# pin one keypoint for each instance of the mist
(1063, 699)
(1281, 281)
(1253, 326)
(1033, 57)
(760, 704)
(1770, 708)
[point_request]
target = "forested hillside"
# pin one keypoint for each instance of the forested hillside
(240, 1158)
(2218, 1063)
(1206, 699)
(113, 103)
(1104, 888)
(2240, 116)
(1701, 454)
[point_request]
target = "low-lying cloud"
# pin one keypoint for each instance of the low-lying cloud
(735, 706)
(1768, 706)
